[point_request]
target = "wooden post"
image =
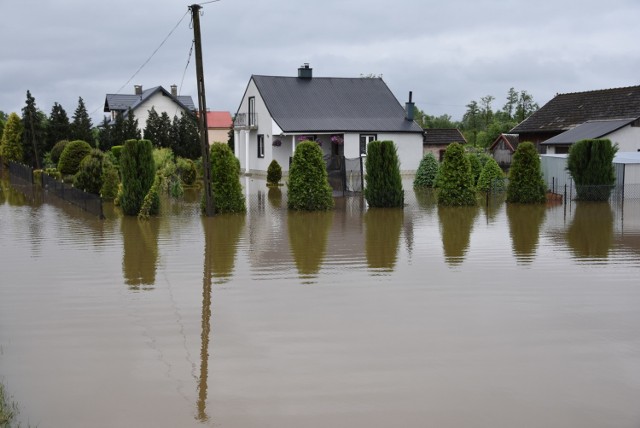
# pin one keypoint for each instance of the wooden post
(202, 109)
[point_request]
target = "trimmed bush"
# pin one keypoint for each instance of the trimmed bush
(138, 173)
(186, 170)
(591, 166)
(427, 171)
(89, 176)
(308, 186)
(57, 150)
(225, 183)
(117, 151)
(151, 203)
(274, 173)
(110, 180)
(384, 183)
(11, 142)
(491, 177)
(455, 181)
(525, 177)
(54, 173)
(476, 166)
(72, 155)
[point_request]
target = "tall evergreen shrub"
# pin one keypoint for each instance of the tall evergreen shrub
(274, 173)
(455, 180)
(384, 183)
(72, 155)
(525, 176)
(427, 171)
(225, 183)
(89, 176)
(308, 187)
(591, 166)
(138, 170)
(11, 142)
(476, 166)
(491, 178)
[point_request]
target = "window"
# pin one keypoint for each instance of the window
(260, 145)
(252, 111)
(364, 140)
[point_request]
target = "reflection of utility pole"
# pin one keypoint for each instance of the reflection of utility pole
(202, 105)
(206, 322)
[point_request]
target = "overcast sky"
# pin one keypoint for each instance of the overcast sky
(447, 52)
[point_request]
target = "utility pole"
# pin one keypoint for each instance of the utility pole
(202, 105)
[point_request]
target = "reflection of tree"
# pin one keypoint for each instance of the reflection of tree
(308, 239)
(525, 222)
(492, 208)
(221, 234)
(426, 198)
(140, 254)
(591, 231)
(383, 227)
(456, 224)
(275, 197)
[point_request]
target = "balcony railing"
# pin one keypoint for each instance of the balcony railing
(246, 121)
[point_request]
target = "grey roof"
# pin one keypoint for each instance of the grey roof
(588, 130)
(122, 102)
(330, 104)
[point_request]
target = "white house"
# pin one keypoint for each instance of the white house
(342, 114)
(623, 132)
(141, 101)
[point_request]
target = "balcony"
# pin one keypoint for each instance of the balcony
(246, 121)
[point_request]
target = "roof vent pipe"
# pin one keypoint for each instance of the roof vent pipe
(305, 72)
(409, 107)
(137, 89)
(174, 90)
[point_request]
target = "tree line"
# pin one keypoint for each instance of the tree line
(481, 124)
(31, 135)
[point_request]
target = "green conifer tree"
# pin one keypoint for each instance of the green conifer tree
(81, 126)
(59, 127)
(384, 182)
(455, 180)
(525, 176)
(308, 187)
(11, 143)
(34, 132)
(137, 169)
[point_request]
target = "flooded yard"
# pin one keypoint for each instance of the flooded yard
(514, 316)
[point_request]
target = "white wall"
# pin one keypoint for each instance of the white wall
(627, 138)
(161, 103)
(410, 150)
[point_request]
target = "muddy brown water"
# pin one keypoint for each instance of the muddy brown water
(504, 315)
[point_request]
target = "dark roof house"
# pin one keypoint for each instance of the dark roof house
(342, 114)
(141, 101)
(436, 140)
(566, 111)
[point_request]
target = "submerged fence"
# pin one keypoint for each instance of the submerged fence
(87, 201)
(345, 174)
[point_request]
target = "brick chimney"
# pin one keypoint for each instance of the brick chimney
(174, 90)
(137, 89)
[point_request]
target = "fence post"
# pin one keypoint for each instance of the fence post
(361, 173)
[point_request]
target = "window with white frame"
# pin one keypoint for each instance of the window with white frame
(364, 140)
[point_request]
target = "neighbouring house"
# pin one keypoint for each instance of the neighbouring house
(141, 101)
(503, 147)
(436, 140)
(219, 123)
(623, 132)
(567, 111)
(342, 114)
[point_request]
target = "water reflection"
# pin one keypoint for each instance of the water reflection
(140, 251)
(383, 227)
(456, 224)
(590, 234)
(426, 199)
(221, 233)
(308, 233)
(275, 197)
(525, 223)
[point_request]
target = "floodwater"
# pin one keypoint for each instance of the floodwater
(506, 316)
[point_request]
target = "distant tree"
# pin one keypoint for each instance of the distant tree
(525, 176)
(591, 166)
(476, 166)
(59, 127)
(81, 126)
(485, 111)
(384, 183)
(427, 171)
(11, 142)
(158, 129)
(526, 106)
(432, 122)
(471, 122)
(34, 132)
(455, 180)
(130, 130)
(187, 142)
(308, 186)
(510, 106)
(231, 141)
(225, 182)
(3, 121)
(105, 135)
